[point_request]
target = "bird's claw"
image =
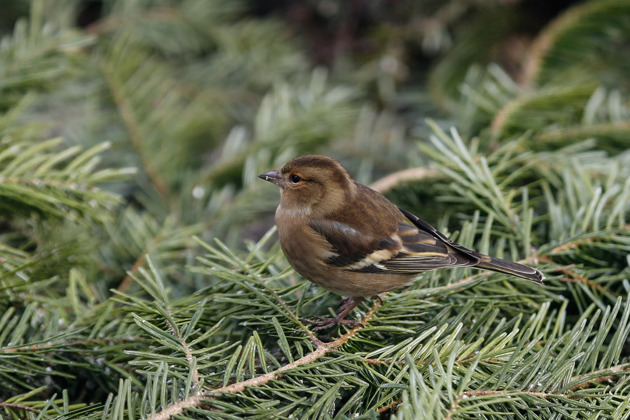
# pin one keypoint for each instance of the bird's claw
(324, 323)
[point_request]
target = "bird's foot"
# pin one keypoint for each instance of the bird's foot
(323, 323)
(347, 305)
(349, 302)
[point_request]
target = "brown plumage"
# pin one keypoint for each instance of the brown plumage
(351, 240)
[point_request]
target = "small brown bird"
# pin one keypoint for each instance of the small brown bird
(351, 240)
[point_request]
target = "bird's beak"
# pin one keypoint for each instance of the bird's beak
(272, 176)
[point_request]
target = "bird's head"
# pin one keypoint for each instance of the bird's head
(312, 185)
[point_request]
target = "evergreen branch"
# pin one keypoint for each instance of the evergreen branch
(322, 348)
(594, 237)
(188, 354)
(583, 381)
(536, 110)
(577, 278)
(597, 377)
(114, 22)
(466, 360)
(39, 347)
(545, 41)
(36, 176)
(478, 178)
(38, 57)
(575, 39)
(19, 406)
(126, 283)
(385, 184)
(287, 115)
(608, 133)
(601, 376)
(396, 402)
(132, 125)
(41, 194)
(138, 235)
(260, 288)
(484, 393)
(225, 340)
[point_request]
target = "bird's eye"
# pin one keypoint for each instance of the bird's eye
(295, 178)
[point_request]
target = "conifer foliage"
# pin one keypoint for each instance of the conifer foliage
(140, 275)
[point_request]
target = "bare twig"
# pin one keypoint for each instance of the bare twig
(413, 174)
(40, 347)
(19, 406)
(605, 376)
(128, 280)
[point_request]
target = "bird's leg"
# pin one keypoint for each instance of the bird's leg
(349, 301)
(347, 305)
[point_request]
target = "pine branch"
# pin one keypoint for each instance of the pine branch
(322, 348)
(106, 313)
(37, 56)
(37, 177)
(574, 39)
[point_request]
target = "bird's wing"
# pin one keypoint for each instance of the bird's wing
(411, 249)
(352, 249)
(427, 228)
(421, 251)
(467, 256)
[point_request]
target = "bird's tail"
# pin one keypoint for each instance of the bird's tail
(512, 268)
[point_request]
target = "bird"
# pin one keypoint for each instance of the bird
(353, 241)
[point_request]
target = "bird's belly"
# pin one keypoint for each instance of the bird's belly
(362, 284)
(307, 252)
(348, 283)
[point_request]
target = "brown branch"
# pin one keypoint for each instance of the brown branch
(19, 406)
(322, 348)
(574, 277)
(575, 243)
(41, 347)
(128, 280)
(389, 406)
(572, 245)
(413, 174)
(580, 385)
(178, 408)
(544, 42)
(465, 360)
(605, 375)
(625, 367)
(480, 393)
